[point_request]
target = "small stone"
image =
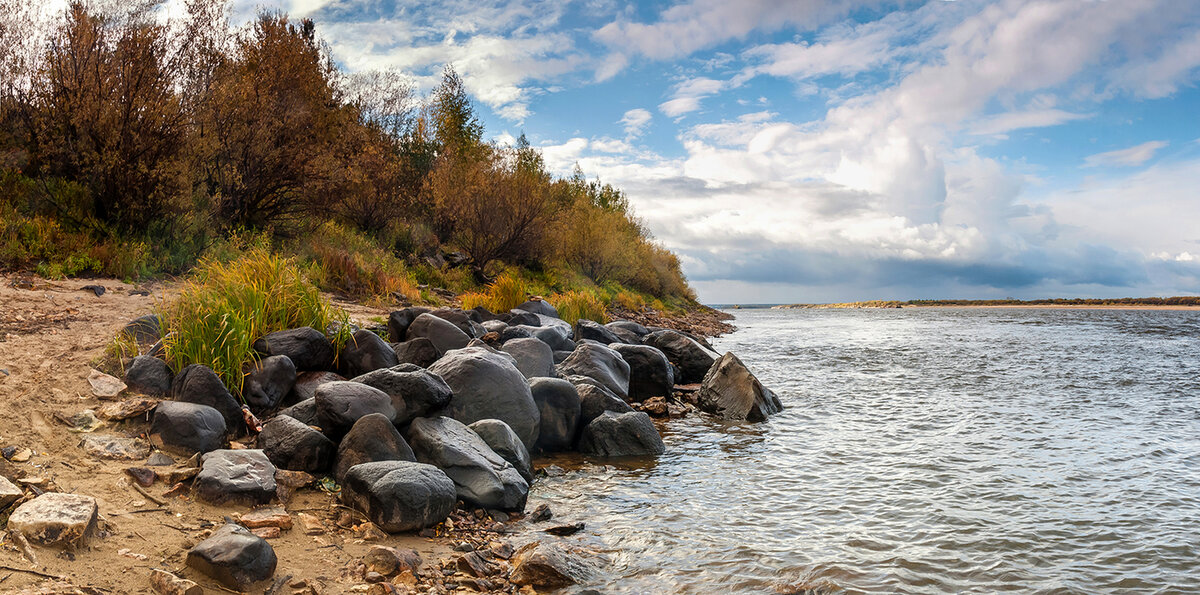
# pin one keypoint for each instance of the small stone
(389, 560)
(310, 524)
(654, 407)
(105, 386)
(83, 422)
(21, 455)
(128, 553)
(473, 564)
(9, 493)
(234, 556)
(406, 577)
(8, 451)
(273, 516)
(56, 518)
(160, 459)
(129, 408)
(501, 549)
(143, 476)
(174, 476)
(563, 530)
(115, 447)
(267, 532)
(369, 531)
(464, 547)
(165, 583)
(540, 513)
(373, 577)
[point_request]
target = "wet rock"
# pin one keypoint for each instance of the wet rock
(372, 439)
(239, 476)
(564, 530)
(547, 565)
(390, 561)
(444, 334)
(693, 359)
(307, 347)
(480, 476)
(654, 407)
(595, 400)
(148, 376)
(399, 495)
(268, 381)
(365, 352)
(105, 386)
(146, 330)
(504, 442)
(144, 476)
(414, 392)
(129, 408)
(539, 306)
(621, 435)
(188, 426)
(9, 493)
(558, 406)
(418, 351)
(534, 358)
(292, 444)
(340, 404)
(731, 392)
(594, 331)
(307, 383)
(488, 385)
(399, 321)
(601, 364)
(166, 583)
(305, 412)
(115, 447)
(650, 374)
(234, 557)
(200, 385)
(56, 519)
(541, 513)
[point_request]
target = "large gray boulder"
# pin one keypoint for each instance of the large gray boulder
(732, 392)
(293, 445)
(268, 381)
(399, 321)
(372, 439)
(444, 334)
(235, 476)
(148, 376)
(650, 374)
(415, 392)
(365, 352)
(146, 330)
(557, 337)
(522, 318)
(306, 385)
(629, 326)
(488, 385)
(305, 411)
(621, 435)
(558, 406)
(418, 351)
(481, 476)
(399, 495)
(539, 306)
(504, 442)
(340, 404)
(308, 348)
(188, 426)
(534, 358)
(464, 320)
(200, 385)
(693, 359)
(234, 557)
(601, 364)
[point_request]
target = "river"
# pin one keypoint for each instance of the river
(930, 450)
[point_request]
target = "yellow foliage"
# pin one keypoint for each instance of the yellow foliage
(574, 305)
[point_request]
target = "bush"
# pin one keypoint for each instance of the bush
(225, 307)
(574, 305)
(505, 293)
(351, 263)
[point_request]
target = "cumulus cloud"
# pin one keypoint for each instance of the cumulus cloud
(635, 122)
(1132, 156)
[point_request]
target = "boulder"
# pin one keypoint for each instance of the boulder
(488, 385)
(693, 359)
(650, 374)
(539, 306)
(600, 364)
(731, 392)
(549, 566)
(293, 445)
(146, 330)
(534, 358)
(414, 392)
(557, 337)
(504, 442)
(305, 412)
(308, 348)
(54, 518)
(482, 315)
(494, 326)
(523, 318)
(306, 385)
(636, 329)
(234, 557)
(481, 477)
(399, 320)
(514, 332)
(365, 352)
(237, 476)
(621, 435)
(443, 333)
(268, 381)
(399, 495)
(595, 400)
(188, 426)
(148, 376)
(340, 404)
(372, 439)
(586, 329)
(625, 336)
(557, 401)
(200, 385)
(464, 320)
(418, 351)
(561, 356)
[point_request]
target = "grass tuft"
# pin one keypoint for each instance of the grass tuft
(574, 305)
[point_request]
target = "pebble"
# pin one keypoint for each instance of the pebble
(143, 476)
(310, 524)
(273, 516)
(105, 386)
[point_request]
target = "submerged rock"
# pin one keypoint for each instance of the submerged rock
(732, 392)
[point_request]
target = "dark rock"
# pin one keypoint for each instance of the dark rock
(523, 318)
(595, 400)
(565, 530)
(621, 435)
(200, 385)
(398, 322)
(305, 412)
(539, 306)
(306, 385)
(399, 495)
(234, 557)
(586, 329)
(307, 347)
(444, 334)
(146, 330)
(731, 392)
(514, 332)
(188, 426)
(650, 374)
(534, 358)
(488, 385)
(599, 363)
(481, 477)
(372, 439)
(558, 405)
(541, 513)
(268, 382)
(549, 566)
(148, 376)
(291, 444)
(504, 442)
(419, 351)
(482, 315)
(144, 476)
(461, 319)
(693, 359)
(561, 356)
(494, 326)
(627, 325)
(340, 404)
(625, 336)
(239, 476)
(365, 352)
(557, 337)
(415, 392)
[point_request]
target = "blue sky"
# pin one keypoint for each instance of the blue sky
(834, 150)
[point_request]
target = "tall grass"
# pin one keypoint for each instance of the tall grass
(573, 305)
(225, 307)
(349, 262)
(505, 293)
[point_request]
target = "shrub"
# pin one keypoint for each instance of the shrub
(351, 263)
(225, 307)
(505, 293)
(573, 305)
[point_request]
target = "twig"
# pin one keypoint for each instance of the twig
(278, 584)
(140, 511)
(148, 495)
(5, 577)
(28, 571)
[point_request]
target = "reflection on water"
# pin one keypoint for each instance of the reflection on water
(930, 450)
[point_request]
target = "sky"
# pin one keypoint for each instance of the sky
(841, 150)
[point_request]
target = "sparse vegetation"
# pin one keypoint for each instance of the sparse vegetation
(574, 305)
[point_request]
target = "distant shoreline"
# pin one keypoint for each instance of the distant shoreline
(1173, 303)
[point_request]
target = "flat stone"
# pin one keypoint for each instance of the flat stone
(127, 409)
(235, 475)
(105, 386)
(160, 459)
(9, 493)
(389, 561)
(235, 557)
(165, 583)
(267, 532)
(56, 518)
(115, 447)
(310, 524)
(274, 516)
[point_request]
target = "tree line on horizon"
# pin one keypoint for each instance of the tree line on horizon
(141, 143)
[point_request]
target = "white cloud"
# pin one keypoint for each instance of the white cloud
(1132, 156)
(1035, 118)
(635, 122)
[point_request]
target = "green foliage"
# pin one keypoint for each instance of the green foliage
(225, 307)
(574, 305)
